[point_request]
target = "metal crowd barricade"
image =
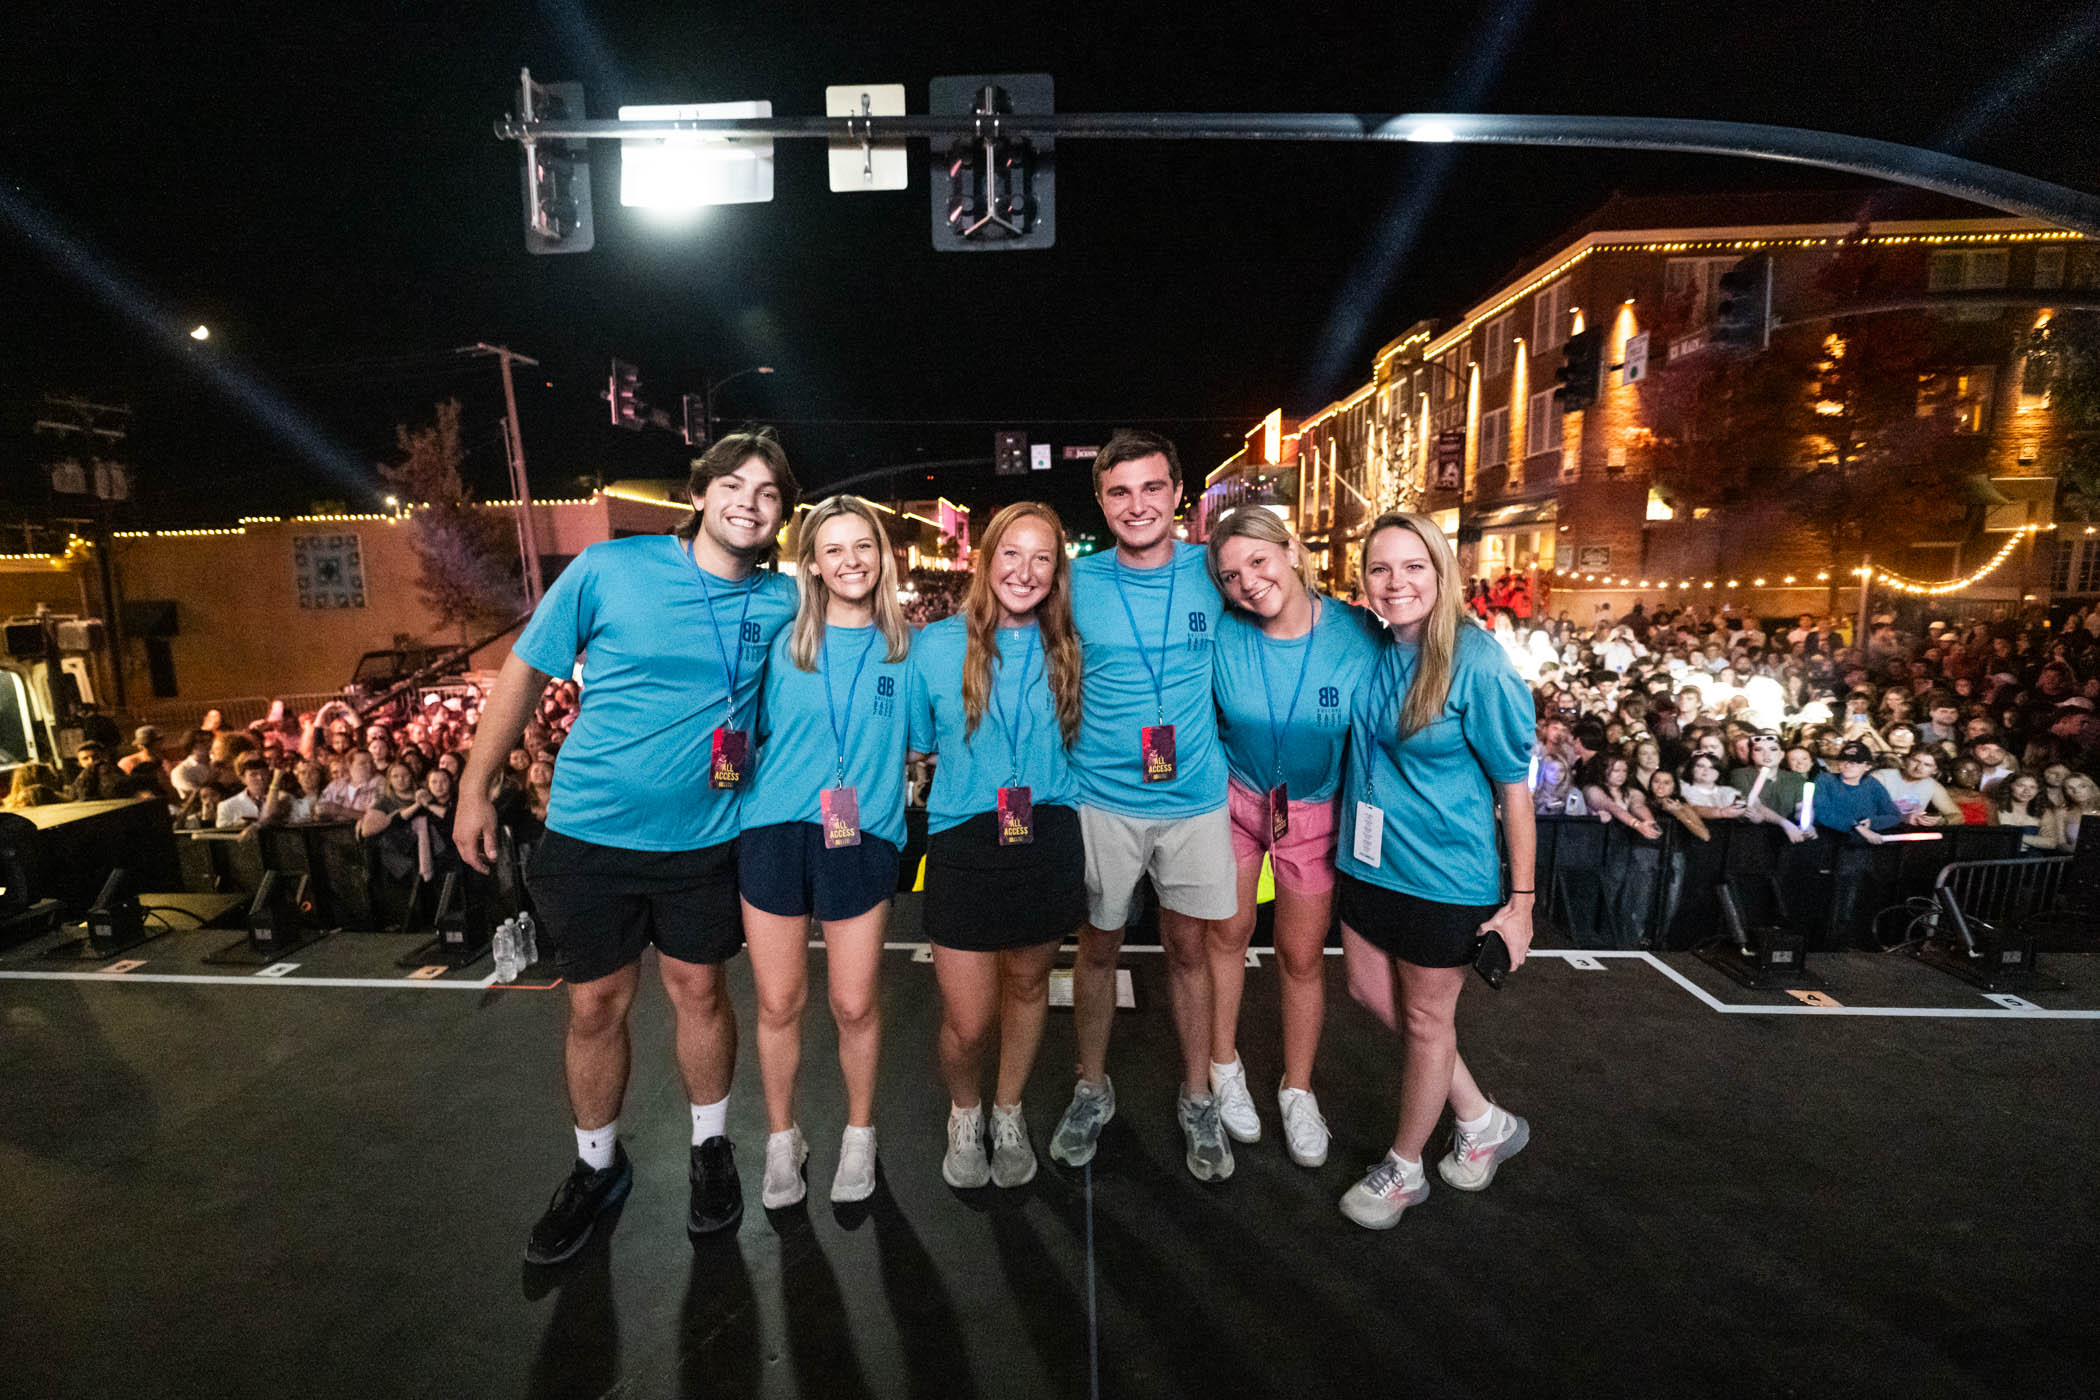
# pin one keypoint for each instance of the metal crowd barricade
(2002, 892)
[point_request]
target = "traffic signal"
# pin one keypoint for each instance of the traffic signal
(696, 424)
(620, 394)
(1010, 454)
(1582, 363)
(993, 193)
(557, 173)
(1743, 311)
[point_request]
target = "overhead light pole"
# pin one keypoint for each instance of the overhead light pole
(705, 436)
(514, 439)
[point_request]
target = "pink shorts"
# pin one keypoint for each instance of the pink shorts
(1304, 859)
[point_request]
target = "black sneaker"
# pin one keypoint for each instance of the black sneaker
(577, 1204)
(718, 1192)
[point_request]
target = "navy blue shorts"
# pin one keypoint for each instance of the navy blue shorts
(785, 869)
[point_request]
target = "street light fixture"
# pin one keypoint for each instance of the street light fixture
(200, 332)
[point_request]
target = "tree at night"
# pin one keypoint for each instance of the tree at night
(2064, 362)
(467, 554)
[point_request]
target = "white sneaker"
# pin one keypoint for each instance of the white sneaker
(855, 1178)
(1470, 1164)
(785, 1154)
(964, 1165)
(1228, 1085)
(1387, 1189)
(1304, 1130)
(1013, 1155)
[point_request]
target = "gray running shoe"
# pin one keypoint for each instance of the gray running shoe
(1013, 1155)
(1210, 1155)
(1470, 1164)
(1079, 1131)
(964, 1165)
(1387, 1190)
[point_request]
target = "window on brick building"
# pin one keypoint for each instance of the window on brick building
(1495, 344)
(1549, 315)
(1542, 424)
(1697, 282)
(2076, 568)
(1961, 396)
(1973, 269)
(2048, 268)
(1494, 438)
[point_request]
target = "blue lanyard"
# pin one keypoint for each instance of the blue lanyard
(1166, 632)
(1013, 734)
(1261, 654)
(1382, 696)
(838, 735)
(732, 671)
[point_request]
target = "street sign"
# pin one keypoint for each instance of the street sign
(864, 164)
(1081, 454)
(1593, 556)
(1635, 369)
(1039, 456)
(1451, 459)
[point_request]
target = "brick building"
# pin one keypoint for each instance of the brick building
(1579, 496)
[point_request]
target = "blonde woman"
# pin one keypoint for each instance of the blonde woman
(822, 823)
(1440, 734)
(1285, 660)
(996, 693)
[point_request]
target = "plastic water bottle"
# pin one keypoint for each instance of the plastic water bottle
(505, 944)
(528, 941)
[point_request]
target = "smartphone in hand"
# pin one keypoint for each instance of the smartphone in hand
(1492, 961)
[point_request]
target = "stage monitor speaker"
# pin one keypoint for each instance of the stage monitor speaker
(452, 913)
(275, 919)
(116, 922)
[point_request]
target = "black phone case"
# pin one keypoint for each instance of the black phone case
(1492, 961)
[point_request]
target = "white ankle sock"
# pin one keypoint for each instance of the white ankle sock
(595, 1145)
(1410, 1169)
(1474, 1127)
(710, 1120)
(1218, 1071)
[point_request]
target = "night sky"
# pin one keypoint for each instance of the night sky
(321, 186)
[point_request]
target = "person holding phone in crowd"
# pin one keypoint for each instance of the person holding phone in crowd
(995, 693)
(822, 826)
(1152, 787)
(641, 834)
(1440, 735)
(1285, 662)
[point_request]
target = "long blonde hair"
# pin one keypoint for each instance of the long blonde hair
(1431, 685)
(807, 638)
(1053, 618)
(1258, 523)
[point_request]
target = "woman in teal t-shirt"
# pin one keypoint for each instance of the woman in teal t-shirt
(822, 822)
(1440, 734)
(996, 693)
(1285, 663)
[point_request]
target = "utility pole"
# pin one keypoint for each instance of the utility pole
(514, 441)
(106, 423)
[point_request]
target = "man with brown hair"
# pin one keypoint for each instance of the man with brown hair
(642, 823)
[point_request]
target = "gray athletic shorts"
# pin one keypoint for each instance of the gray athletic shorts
(1189, 860)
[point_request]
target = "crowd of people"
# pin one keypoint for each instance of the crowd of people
(1689, 716)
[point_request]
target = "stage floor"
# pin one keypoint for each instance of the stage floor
(317, 1182)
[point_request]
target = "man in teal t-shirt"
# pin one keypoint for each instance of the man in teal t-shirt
(642, 823)
(1151, 784)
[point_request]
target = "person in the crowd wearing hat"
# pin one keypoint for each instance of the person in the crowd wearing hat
(1847, 805)
(145, 748)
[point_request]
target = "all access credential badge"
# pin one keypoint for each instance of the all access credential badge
(841, 811)
(732, 750)
(1156, 746)
(1016, 816)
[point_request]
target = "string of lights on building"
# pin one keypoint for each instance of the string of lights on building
(1901, 583)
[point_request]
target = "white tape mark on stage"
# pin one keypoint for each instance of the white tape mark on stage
(251, 980)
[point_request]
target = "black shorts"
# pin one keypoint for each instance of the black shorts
(1414, 930)
(786, 869)
(602, 905)
(982, 897)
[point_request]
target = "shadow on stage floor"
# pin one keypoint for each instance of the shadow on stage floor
(226, 1190)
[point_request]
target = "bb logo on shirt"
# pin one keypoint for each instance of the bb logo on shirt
(885, 695)
(1199, 631)
(754, 642)
(1331, 715)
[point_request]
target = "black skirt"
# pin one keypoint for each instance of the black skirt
(982, 897)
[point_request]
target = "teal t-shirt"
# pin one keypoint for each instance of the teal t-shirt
(1437, 789)
(1128, 672)
(1297, 690)
(798, 755)
(1017, 743)
(655, 631)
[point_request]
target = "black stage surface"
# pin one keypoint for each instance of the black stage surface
(318, 1183)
